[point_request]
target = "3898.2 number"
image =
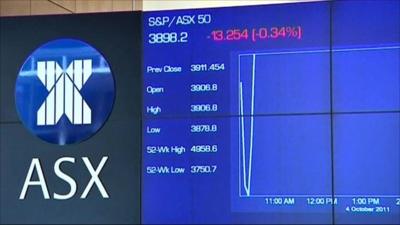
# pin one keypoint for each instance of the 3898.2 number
(169, 37)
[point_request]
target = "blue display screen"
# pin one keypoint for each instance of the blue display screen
(274, 114)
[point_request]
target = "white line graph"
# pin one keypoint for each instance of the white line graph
(247, 182)
(246, 150)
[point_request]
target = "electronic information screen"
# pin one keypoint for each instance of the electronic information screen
(284, 113)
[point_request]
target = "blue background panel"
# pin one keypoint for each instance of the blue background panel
(367, 154)
(185, 198)
(308, 101)
(366, 80)
(285, 150)
(291, 155)
(286, 82)
(367, 22)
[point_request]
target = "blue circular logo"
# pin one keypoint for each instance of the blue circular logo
(64, 91)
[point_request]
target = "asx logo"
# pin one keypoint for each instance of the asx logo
(65, 91)
(64, 94)
(41, 182)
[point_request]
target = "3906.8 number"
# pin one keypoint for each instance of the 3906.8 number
(204, 108)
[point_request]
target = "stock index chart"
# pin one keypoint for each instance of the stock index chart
(280, 114)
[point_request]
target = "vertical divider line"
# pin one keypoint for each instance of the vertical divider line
(331, 107)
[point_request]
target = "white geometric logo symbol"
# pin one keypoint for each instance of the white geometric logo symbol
(64, 92)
